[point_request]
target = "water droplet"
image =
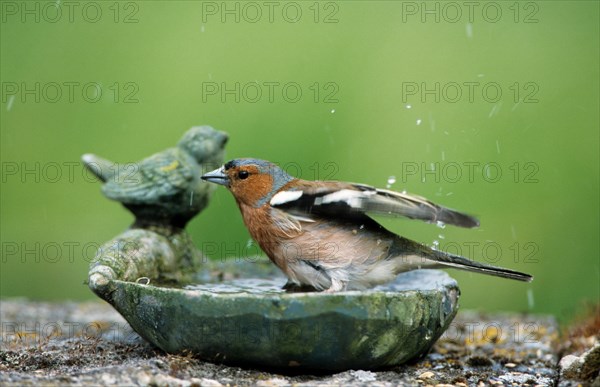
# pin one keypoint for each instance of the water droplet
(431, 122)
(419, 121)
(362, 226)
(9, 104)
(530, 300)
(436, 244)
(440, 224)
(469, 30)
(441, 236)
(408, 106)
(202, 28)
(391, 180)
(428, 335)
(332, 111)
(495, 109)
(488, 173)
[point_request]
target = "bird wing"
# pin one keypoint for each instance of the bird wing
(161, 175)
(330, 198)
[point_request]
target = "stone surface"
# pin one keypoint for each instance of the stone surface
(256, 323)
(91, 344)
(168, 255)
(583, 367)
(580, 349)
(570, 366)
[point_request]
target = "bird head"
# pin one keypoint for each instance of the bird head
(252, 182)
(205, 144)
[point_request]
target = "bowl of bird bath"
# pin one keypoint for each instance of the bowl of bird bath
(252, 321)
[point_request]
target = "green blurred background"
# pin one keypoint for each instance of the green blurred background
(365, 114)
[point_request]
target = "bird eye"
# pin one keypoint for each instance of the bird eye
(243, 174)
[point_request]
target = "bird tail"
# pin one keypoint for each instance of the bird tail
(462, 263)
(443, 259)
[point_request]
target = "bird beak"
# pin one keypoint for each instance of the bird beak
(217, 176)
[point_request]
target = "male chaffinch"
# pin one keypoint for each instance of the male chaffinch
(319, 234)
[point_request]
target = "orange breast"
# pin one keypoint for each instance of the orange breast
(269, 238)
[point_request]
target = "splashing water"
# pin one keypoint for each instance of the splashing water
(469, 30)
(428, 335)
(515, 106)
(391, 180)
(495, 110)
(9, 104)
(440, 224)
(435, 244)
(530, 300)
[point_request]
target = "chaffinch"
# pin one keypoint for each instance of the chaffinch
(320, 235)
